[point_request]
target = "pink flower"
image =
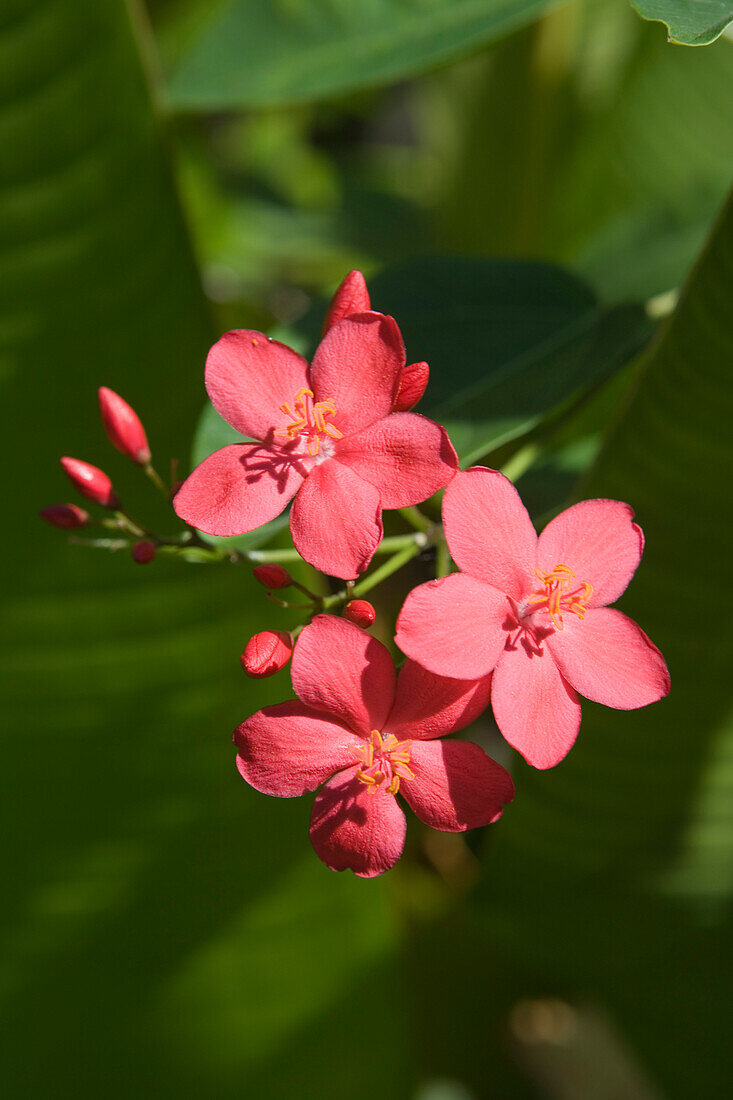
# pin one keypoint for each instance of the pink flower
(534, 609)
(328, 438)
(366, 735)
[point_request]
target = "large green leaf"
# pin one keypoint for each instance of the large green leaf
(689, 22)
(629, 841)
(256, 53)
(134, 858)
(507, 342)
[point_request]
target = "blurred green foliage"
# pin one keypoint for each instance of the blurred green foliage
(166, 930)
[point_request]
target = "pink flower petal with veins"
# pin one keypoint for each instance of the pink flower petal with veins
(454, 626)
(355, 829)
(342, 670)
(609, 659)
(489, 532)
(536, 710)
(358, 365)
(598, 541)
(405, 456)
(456, 785)
(336, 521)
(240, 487)
(248, 378)
(288, 749)
(428, 706)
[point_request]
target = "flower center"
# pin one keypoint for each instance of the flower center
(308, 418)
(560, 592)
(384, 762)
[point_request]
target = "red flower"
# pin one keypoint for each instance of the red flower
(123, 427)
(366, 735)
(535, 610)
(328, 437)
(266, 653)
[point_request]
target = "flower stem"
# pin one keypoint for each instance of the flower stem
(156, 479)
(417, 519)
(407, 553)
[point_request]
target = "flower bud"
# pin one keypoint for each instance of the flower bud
(360, 612)
(123, 427)
(65, 515)
(351, 297)
(266, 653)
(272, 576)
(413, 381)
(90, 481)
(143, 552)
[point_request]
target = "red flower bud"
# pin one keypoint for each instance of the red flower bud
(123, 427)
(351, 297)
(65, 515)
(360, 612)
(413, 381)
(272, 576)
(143, 552)
(90, 481)
(266, 653)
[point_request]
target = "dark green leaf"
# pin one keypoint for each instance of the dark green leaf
(256, 53)
(689, 22)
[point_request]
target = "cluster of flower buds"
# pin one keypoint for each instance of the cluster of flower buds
(125, 432)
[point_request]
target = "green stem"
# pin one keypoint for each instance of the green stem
(442, 559)
(417, 519)
(386, 546)
(386, 570)
(520, 462)
(157, 480)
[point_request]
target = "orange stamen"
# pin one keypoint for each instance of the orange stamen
(384, 762)
(309, 420)
(560, 594)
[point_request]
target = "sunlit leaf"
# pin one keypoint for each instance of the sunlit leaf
(689, 22)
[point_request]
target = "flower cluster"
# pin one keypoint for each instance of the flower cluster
(524, 626)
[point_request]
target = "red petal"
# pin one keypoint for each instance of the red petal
(354, 829)
(239, 488)
(413, 383)
(456, 785)
(340, 669)
(599, 542)
(336, 521)
(429, 706)
(405, 456)
(609, 659)
(454, 626)
(352, 296)
(535, 709)
(357, 366)
(288, 749)
(248, 378)
(489, 532)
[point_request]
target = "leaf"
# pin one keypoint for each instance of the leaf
(635, 826)
(257, 53)
(689, 22)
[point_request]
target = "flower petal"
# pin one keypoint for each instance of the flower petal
(609, 659)
(456, 785)
(336, 521)
(354, 829)
(454, 626)
(413, 383)
(248, 378)
(358, 366)
(489, 532)
(239, 488)
(340, 669)
(429, 706)
(288, 749)
(405, 456)
(599, 542)
(351, 296)
(536, 710)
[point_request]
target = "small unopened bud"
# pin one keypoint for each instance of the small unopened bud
(272, 576)
(413, 381)
(266, 653)
(143, 552)
(351, 297)
(360, 612)
(123, 427)
(65, 515)
(90, 481)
